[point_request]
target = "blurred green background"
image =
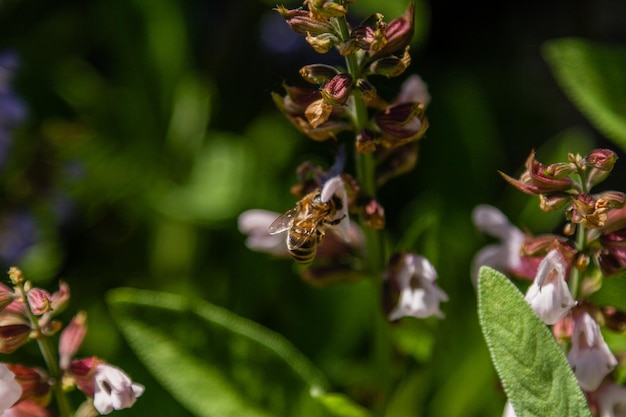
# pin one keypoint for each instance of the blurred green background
(150, 128)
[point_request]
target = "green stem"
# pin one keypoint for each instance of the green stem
(50, 358)
(365, 163)
(375, 258)
(581, 239)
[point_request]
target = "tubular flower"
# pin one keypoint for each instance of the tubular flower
(590, 357)
(410, 279)
(506, 256)
(114, 390)
(549, 295)
(254, 223)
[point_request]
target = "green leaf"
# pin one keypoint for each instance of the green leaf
(593, 77)
(217, 364)
(534, 372)
(341, 406)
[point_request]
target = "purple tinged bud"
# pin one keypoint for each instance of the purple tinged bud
(391, 66)
(337, 91)
(602, 159)
(40, 301)
(14, 332)
(301, 21)
(398, 33)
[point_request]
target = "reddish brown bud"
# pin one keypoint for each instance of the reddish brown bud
(402, 123)
(391, 66)
(36, 385)
(602, 159)
(538, 179)
(301, 22)
(14, 332)
(398, 33)
(370, 34)
(373, 214)
(337, 91)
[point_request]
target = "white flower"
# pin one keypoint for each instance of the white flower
(612, 400)
(504, 256)
(255, 224)
(419, 296)
(508, 410)
(336, 186)
(10, 390)
(114, 390)
(590, 357)
(549, 295)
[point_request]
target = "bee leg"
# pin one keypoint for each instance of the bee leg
(336, 221)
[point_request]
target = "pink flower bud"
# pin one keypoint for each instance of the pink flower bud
(398, 33)
(39, 300)
(71, 339)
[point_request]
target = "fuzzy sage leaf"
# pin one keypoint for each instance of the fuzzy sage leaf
(534, 372)
(592, 76)
(217, 364)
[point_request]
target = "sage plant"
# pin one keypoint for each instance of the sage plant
(566, 269)
(30, 314)
(343, 105)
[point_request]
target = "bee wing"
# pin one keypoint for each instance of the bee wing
(304, 235)
(283, 222)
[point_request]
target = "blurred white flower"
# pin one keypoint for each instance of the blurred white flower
(611, 400)
(10, 389)
(505, 256)
(114, 390)
(255, 223)
(549, 295)
(414, 277)
(590, 357)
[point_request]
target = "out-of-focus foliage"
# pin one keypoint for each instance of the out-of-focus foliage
(151, 128)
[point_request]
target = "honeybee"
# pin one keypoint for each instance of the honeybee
(305, 224)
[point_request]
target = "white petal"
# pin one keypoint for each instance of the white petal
(10, 389)
(549, 295)
(590, 356)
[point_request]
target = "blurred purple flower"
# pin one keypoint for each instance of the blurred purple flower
(18, 232)
(12, 109)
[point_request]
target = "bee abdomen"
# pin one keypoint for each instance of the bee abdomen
(305, 253)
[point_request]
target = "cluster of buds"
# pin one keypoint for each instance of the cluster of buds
(567, 268)
(29, 313)
(318, 231)
(322, 112)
